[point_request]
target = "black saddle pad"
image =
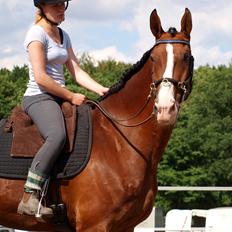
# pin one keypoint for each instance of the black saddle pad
(67, 166)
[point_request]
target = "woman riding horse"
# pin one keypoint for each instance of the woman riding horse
(131, 128)
(49, 48)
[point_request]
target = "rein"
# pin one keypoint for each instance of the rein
(119, 121)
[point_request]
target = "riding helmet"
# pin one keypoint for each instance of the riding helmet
(37, 3)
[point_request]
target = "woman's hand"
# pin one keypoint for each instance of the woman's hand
(102, 90)
(78, 99)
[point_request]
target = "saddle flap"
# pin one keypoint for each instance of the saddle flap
(70, 117)
(27, 139)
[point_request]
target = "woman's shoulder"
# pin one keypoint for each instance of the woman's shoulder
(35, 33)
(35, 30)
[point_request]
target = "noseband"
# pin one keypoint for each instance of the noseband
(183, 86)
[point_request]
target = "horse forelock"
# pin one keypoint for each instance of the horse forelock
(172, 31)
(127, 75)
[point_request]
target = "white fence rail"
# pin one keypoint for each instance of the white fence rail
(196, 188)
(161, 229)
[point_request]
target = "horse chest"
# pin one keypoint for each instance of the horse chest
(136, 205)
(139, 191)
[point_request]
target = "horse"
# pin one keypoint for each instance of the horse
(132, 124)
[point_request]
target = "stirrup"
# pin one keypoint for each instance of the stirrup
(44, 190)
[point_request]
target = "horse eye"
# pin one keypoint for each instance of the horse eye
(187, 56)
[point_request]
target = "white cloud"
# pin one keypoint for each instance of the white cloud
(101, 10)
(112, 5)
(109, 53)
(212, 27)
(7, 50)
(141, 22)
(10, 4)
(211, 35)
(11, 61)
(212, 56)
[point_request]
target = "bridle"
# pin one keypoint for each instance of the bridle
(184, 87)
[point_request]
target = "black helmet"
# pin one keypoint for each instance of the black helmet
(37, 3)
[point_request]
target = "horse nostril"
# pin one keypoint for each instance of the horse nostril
(155, 108)
(172, 108)
(172, 100)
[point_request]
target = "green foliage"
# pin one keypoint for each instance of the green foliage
(13, 85)
(199, 151)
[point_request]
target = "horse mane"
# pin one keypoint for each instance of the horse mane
(127, 75)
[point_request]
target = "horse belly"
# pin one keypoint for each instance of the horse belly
(11, 192)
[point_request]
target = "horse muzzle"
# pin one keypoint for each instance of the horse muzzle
(167, 115)
(166, 107)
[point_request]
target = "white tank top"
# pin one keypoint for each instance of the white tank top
(55, 54)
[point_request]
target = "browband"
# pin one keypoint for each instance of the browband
(172, 41)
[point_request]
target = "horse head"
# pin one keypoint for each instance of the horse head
(172, 67)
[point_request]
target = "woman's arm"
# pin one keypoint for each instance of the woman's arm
(37, 59)
(81, 77)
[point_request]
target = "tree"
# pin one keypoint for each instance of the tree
(13, 85)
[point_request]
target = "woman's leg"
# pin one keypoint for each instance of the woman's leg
(48, 117)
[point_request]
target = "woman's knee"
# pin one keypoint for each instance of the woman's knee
(58, 138)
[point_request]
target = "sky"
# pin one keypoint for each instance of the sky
(119, 29)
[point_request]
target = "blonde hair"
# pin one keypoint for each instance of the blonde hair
(38, 16)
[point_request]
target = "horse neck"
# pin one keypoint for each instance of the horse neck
(127, 103)
(149, 139)
(132, 96)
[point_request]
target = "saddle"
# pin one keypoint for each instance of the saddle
(27, 139)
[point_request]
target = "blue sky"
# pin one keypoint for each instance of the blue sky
(120, 29)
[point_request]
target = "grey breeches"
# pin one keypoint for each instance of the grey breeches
(46, 113)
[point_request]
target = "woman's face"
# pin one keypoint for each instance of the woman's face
(55, 12)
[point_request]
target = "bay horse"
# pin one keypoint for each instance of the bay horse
(131, 128)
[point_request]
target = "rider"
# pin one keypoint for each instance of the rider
(49, 48)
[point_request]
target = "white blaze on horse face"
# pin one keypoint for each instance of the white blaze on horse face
(166, 92)
(166, 107)
(170, 62)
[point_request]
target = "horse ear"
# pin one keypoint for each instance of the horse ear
(155, 24)
(186, 22)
